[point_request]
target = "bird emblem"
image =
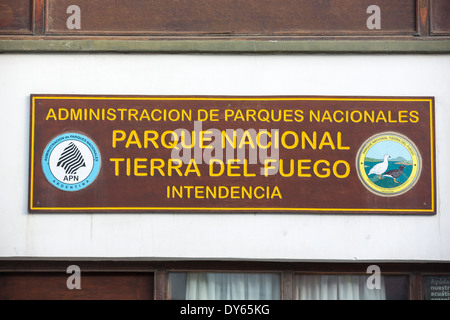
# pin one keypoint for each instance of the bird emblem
(394, 174)
(381, 167)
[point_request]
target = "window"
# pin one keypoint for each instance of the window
(349, 287)
(224, 286)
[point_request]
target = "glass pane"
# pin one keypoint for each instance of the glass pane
(224, 286)
(397, 287)
(350, 287)
(436, 287)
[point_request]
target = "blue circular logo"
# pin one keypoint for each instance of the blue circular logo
(71, 161)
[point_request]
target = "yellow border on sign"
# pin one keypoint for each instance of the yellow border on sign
(34, 98)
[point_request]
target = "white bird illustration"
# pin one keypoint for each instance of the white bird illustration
(381, 167)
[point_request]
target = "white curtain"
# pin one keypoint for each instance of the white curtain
(336, 287)
(232, 286)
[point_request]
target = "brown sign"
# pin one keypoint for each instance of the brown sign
(232, 154)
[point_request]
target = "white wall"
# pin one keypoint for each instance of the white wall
(211, 236)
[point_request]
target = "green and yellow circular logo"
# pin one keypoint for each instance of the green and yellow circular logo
(388, 164)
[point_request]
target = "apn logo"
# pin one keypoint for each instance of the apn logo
(71, 162)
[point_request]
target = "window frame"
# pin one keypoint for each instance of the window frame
(287, 269)
(36, 39)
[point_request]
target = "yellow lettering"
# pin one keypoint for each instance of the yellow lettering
(62, 111)
(258, 139)
(261, 195)
(189, 169)
(338, 119)
(230, 166)
(339, 142)
(223, 192)
(199, 192)
(276, 193)
(231, 141)
(202, 138)
(239, 115)
(144, 115)
(202, 115)
(414, 116)
(176, 167)
(299, 115)
(291, 168)
(235, 192)
(327, 116)
(283, 140)
(147, 139)
(249, 142)
(183, 140)
(115, 137)
(402, 116)
(76, 114)
(116, 164)
(228, 114)
(173, 143)
(251, 114)
(51, 114)
(347, 169)
(326, 141)
(133, 138)
(267, 166)
(369, 117)
(300, 167)
(380, 117)
(138, 166)
(128, 167)
(390, 119)
(246, 174)
(313, 144)
(313, 115)
(111, 114)
(211, 167)
(158, 167)
(326, 170)
(154, 117)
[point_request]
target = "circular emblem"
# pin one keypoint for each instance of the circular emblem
(388, 164)
(71, 161)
